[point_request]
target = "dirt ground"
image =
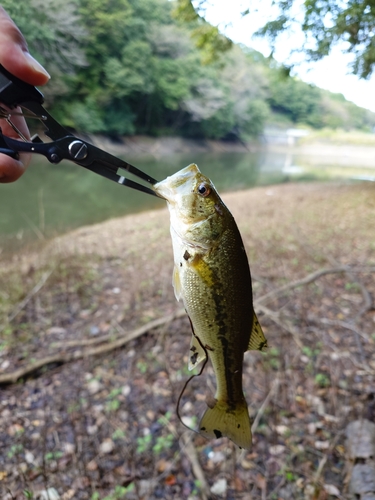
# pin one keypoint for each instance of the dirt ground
(94, 351)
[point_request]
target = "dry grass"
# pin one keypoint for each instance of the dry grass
(105, 427)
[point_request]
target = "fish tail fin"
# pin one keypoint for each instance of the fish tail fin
(221, 420)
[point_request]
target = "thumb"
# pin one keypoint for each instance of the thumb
(14, 54)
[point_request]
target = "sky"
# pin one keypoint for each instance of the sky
(331, 73)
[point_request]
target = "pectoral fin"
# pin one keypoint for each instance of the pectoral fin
(258, 341)
(196, 353)
(176, 283)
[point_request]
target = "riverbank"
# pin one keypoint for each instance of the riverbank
(317, 151)
(95, 311)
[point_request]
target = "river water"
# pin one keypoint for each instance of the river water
(51, 199)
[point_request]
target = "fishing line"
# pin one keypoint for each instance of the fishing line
(188, 381)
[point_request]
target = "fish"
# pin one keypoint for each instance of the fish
(212, 277)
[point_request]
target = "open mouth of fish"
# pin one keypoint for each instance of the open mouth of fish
(177, 183)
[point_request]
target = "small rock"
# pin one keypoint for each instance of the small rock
(4, 365)
(94, 330)
(29, 457)
(282, 429)
(311, 427)
(317, 403)
(107, 446)
(309, 491)
(92, 429)
(146, 486)
(126, 390)
(22, 467)
(69, 448)
(94, 386)
(220, 487)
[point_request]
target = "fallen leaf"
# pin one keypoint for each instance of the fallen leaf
(170, 480)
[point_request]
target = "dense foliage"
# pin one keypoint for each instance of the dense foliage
(121, 67)
(324, 23)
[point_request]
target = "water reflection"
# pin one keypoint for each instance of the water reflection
(51, 199)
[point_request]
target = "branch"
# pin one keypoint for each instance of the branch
(310, 278)
(275, 317)
(192, 455)
(61, 358)
(262, 409)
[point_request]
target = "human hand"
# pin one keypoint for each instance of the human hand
(15, 57)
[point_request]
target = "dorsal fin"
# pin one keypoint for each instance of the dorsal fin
(258, 341)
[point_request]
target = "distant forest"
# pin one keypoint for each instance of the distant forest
(124, 67)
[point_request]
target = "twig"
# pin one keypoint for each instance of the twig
(276, 319)
(324, 459)
(310, 278)
(61, 358)
(108, 336)
(368, 305)
(343, 324)
(192, 455)
(28, 297)
(262, 409)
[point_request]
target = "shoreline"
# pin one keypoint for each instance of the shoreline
(117, 233)
(316, 152)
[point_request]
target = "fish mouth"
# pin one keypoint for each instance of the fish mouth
(177, 183)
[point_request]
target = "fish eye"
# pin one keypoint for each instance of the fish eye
(204, 189)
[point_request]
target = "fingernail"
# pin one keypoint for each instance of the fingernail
(36, 65)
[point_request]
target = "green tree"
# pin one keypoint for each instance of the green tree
(121, 67)
(324, 23)
(54, 33)
(296, 99)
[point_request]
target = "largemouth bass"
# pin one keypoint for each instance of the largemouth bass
(212, 277)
